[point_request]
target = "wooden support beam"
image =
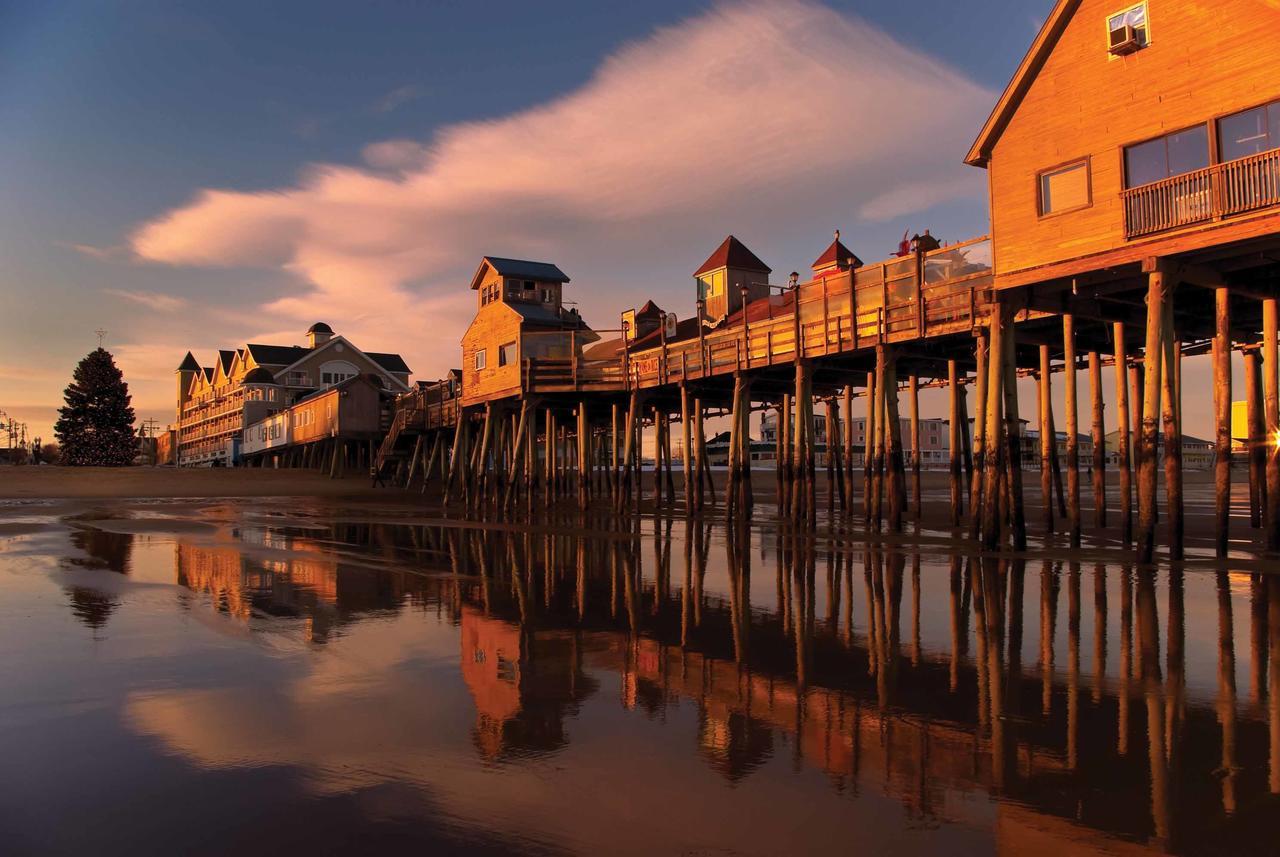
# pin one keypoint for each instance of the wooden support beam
(1172, 418)
(1123, 444)
(913, 391)
(1271, 416)
(1048, 438)
(1257, 443)
(1099, 437)
(993, 430)
(686, 428)
(1013, 438)
(955, 427)
(978, 483)
(894, 461)
(868, 452)
(1073, 429)
(846, 475)
(1152, 384)
(1222, 414)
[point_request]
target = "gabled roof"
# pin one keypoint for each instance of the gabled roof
(275, 355)
(837, 254)
(650, 309)
(733, 254)
(390, 362)
(225, 358)
(542, 271)
(188, 364)
(1045, 42)
(207, 371)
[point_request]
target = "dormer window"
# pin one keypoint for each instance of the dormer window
(1127, 31)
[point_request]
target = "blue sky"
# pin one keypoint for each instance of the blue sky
(352, 143)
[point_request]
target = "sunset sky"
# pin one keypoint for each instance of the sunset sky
(198, 175)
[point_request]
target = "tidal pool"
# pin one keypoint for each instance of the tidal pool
(290, 676)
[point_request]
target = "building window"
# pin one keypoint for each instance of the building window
(1065, 188)
(1120, 38)
(548, 296)
(507, 354)
(480, 359)
(711, 285)
(298, 379)
(1165, 157)
(1251, 132)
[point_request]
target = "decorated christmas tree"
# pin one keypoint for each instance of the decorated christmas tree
(95, 427)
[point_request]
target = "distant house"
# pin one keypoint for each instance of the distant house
(247, 384)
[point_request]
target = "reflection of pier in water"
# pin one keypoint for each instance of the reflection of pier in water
(847, 673)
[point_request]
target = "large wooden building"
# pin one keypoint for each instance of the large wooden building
(520, 316)
(1135, 131)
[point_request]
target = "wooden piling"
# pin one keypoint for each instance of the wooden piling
(1099, 437)
(686, 429)
(868, 449)
(1156, 297)
(954, 438)
(1047, 437)
(978, 482)
(993, 444)
(1123, 445)
(1172, 419)
(894, 463)
(1073, 428)
(1222, 413)
(1271, 416)
(1013, 439)
(786, 474)
(1257, 444)
(913, 391)
(846, 474)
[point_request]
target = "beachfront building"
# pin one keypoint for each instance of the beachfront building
(935, 439)
(353, 410)
(520, 318)
(245, 385)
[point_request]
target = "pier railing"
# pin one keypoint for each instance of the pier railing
(941, 292)
(1217, 191)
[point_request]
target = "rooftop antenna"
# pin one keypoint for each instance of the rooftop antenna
(102, 334)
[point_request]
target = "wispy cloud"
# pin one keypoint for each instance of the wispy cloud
(750, 117)
(151, 300)
(397, 98)
(110, 253)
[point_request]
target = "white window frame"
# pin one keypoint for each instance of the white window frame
(1146, 25)
(481, 358)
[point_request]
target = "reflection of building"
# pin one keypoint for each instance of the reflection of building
(250, 383)
(523, 684)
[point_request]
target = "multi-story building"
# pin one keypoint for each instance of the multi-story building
(935, 438)
(252, 382)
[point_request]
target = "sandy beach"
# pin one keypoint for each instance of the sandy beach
(43, 483)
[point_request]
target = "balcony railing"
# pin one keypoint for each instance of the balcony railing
(1222, 190)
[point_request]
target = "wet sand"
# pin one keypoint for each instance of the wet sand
(44, 483)
(367, 675)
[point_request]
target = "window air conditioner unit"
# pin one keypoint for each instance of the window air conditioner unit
(1124, 40)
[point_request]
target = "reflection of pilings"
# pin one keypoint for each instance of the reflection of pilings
(957, 630)
(1073, 666)
(1175, 698)
(915, 609)
(1227, 692)
(1258, 635)
(1273, 679)
(1149, 641)
(980, 636)
(1048, 627)
(1099, 631)
(1126, 659)
(1002, 759)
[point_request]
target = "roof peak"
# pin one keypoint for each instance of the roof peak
(732, 253)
